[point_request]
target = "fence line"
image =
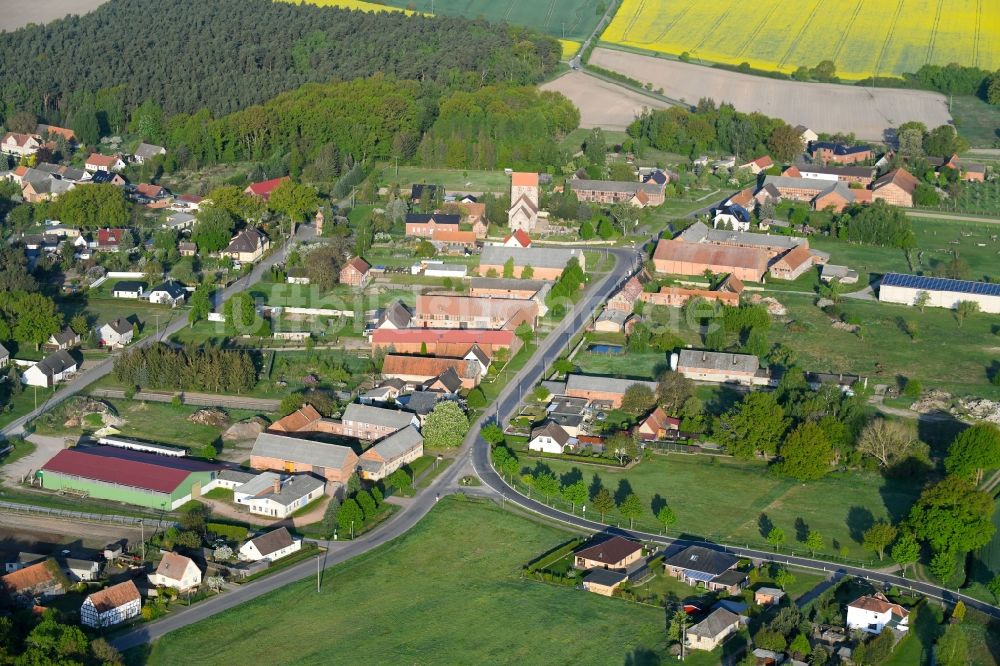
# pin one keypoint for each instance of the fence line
(106, 518)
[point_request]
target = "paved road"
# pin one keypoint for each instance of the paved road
(951, 216)
(339, 551)
(103, 368)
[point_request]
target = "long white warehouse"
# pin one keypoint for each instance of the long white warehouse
(941, 292)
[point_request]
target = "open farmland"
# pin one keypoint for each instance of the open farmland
(862, 37)
(823, 107)
(602, 103)
(456, 574)
(570, 19)
(360, 5)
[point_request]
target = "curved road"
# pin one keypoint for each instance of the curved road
(339, 551)
(103, 368)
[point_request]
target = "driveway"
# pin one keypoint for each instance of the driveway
(46, 447)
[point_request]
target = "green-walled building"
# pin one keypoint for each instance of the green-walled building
(133, 477)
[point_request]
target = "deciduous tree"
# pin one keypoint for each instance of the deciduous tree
(754, 426)
(889, 442)
(631, 508)
(603, 502)
(446, 426)
(974, 450)
(878, 537)
(952, 515)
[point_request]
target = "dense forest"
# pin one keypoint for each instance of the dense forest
(227, 55)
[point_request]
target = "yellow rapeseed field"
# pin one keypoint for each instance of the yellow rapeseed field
(350, 4)
(862, 37)
(569, 48)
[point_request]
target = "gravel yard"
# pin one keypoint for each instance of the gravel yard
(823, 107)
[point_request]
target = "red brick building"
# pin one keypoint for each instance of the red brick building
(356, 272)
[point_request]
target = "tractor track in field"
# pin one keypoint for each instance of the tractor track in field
(757, 28)
(979, 33)
(888, 39)
(631, 23)
(798, 35)
(548, 14)
(510, 7)
(932, 43)
(719, 22)
(847, 30)
(670, 26)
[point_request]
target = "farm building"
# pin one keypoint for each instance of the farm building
(292, 454)
(457, 311)
(609, 389)
(132, 477)
(722, 367)
(895, 188)
(418, 370)
(391, 453)
(435, 340)
(113, 605)
(547, 263)
(278, 496)
(941, 292)
(682, 258)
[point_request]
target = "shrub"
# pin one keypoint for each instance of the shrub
(228, 532)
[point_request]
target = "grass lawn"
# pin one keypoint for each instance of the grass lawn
(434, 472)
(221, 494)
(454, 180)
(977, 121)
(19, 405)
(738, 502)
(341, 297)
(21, 448)
(945, 355)
(152, 421)
(457, 569)
(629, 364)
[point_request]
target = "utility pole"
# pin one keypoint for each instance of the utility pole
(142, 528)
(317, 574)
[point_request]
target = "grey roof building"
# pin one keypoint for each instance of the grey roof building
(289, 491)
(715, 625)
(422, 403)
(317, 454)
(398, 443)
(723, 362)
(396, 315)
(603, 384)
(377, 416)
(699, 232)
(273, 541)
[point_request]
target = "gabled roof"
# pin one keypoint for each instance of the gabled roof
(115, 596)
(21, 140)
(30, 577)
(716, 623)
(128, 285)
(537, 257)
(521, 237)
(395, 445)
(453, 236)
(55, 363)
(795, 257)
(388, 336)
(524, 179)
(701, 559)
(106, 161)
(721, 361)
(878, 603)
(68, 134)
(722, 256)
(147, 150)
(376, 416)
(553, 430)
(609, 551)
(658, 177)
(265, 187)
(273, 541)
(248, 240)
(134, 469)
(449, 379)
(172, 288)
(150, 190)
(109, 236)
(290, 489)
(940, 284)
(397, 314)
(477, 352)
(422, 402)
(4, 353)
(659, 420)
(838, 148)
(437, 218)
(121, 326)
(297, 420)
(318, 454)
(173, 566)
(427, 366)
(605, 577)
(901, 178)
(604, 384)
(359, 264)
(66, 336)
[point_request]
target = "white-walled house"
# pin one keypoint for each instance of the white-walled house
(51, 370)
(117, 333)
(279, 496)
(550, 438)
(170, 293)
(270, 546)
(113, 605)
(873, 613)
(176, 571)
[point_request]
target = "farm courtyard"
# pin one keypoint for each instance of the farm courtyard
(861, 37)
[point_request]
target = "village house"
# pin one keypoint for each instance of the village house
(116, 333)
(356, 272)
(456, 311)
(277, 495)
(454, 242)
(895, 188)
(293, 455)
(524, 202)
(176, 571)
(613, 321)
(109, 240)
(20, 145)
(187, 249)
(938, 292)
(147, 151)
(270, 546)
(395, 316)
(418, 371)
(151, 192)
(128, 289)
(386, 393)
(505, 288)
(108, 178)
(187, 202)
(720, 367)
(826, 152)
(610, 192)
(713, 630)
(550, 438)
(64, 339)
(755, 166)
(547, 263)
(372, 423)
(615, 553)
(108, 163)
(604, 389)
(792, 264)
(170, 293)
(111, 606)
(768, 596)
(51, 370)
(263, 189)
(517, 239)
(420, 225)
(435, 340)
(713, 569)
(4, 356)
(873, 613)
(38, 581)
(657, 425)
(631, 292)
(389, 454)
(247, 246)
(732, 217)
(36, 191)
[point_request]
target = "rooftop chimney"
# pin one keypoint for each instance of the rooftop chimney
(277, 485)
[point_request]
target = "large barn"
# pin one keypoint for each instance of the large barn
(941, 292)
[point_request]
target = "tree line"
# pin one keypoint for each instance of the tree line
(210, 369)
(210, 55)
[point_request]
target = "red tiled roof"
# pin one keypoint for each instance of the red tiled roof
(264, 188)
(109, 236)
(449, 236)
(795, 257)
(106, 161)
(127, 468)
(149, 190)
(901, 178)
(878, 604)
(792, 172)
(190, 198)
(711, 255)
(388, 336)
(20, 139)
(764, 162)
(360, 265)
(28, 578)
(522, 238)
(297, 420)
(427, 366)
(114, 596)
(742, 198)
(659, 420)
(610, 551)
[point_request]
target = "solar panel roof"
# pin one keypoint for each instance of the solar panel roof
(940, 284)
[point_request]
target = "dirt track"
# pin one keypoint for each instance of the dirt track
(823, 107)
(19, 13)
(602, 104)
